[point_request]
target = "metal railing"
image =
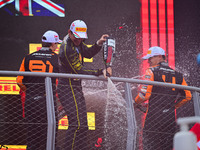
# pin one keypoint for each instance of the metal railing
(133, 126)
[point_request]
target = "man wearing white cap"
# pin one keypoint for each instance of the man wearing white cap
(71, 54)
(44, 60)
(160, 125)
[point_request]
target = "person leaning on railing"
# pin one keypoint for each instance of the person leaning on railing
(71, 54)
(160, 126)
(44, 60)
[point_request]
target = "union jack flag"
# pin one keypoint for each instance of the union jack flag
(32, 8)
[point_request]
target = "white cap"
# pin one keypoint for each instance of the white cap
(154, 51)
(79, 29)
(51, 37)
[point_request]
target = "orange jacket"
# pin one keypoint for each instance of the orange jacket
(163, 73)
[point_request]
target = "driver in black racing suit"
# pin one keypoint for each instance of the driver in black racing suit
(72, 50)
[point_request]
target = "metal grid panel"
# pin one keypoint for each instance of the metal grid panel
(31, 130)
(109, 129)
(157, 127)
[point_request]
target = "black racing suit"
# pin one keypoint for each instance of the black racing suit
(70, 91)
(160, 125)
(44, 60)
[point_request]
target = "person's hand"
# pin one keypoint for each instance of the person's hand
(107, 72)
(22, 87)
(102, 39)
(142, 107)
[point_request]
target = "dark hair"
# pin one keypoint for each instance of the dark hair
(163, 56)
(45, 44)
(73, 34)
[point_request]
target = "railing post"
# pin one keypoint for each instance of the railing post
(196, 100)
(50, 115)
(131, 119)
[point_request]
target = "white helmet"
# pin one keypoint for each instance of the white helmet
(79, 29)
